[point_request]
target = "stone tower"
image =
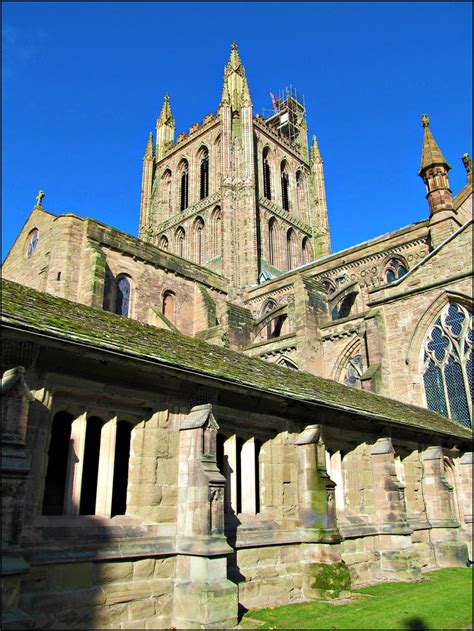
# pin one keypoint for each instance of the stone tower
(238, 193)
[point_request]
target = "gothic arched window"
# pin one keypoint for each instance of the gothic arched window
(216, 233)
(180, 238)
(169, 305)
(184, 185)
(285, 200)
(271, 241)
(166, 191)
(32, 242)
(353, 372)
(290, 246)
(122, 296)
(447, 364)
(199, 240)
(204, 175)
(163, 243)
(266, 175)
(306, 254)
(395, 270)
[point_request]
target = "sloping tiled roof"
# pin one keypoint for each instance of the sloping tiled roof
(29, 310)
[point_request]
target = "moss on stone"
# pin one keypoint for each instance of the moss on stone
(330, 579)
(26, 309)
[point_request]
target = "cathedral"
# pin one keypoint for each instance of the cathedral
(221, 413)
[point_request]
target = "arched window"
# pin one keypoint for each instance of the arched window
(447, 364)
(272, 241)
(163, 243)
(166, 191)
(395, 270)
(343, 308)
(180, 238)
(306, 254)
(267, 192)
(204, 175)
(122, 296)
(169, 305)
(199, 241)
(290, 247)
(184, 185)
(216, 233)
(56, 475)
(301, 193)
(285, 199)
(32, 242)
(329, 286)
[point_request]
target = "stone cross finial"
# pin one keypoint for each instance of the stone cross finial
(234, 46)
(425, 121)
(466, 159)
(39, 198)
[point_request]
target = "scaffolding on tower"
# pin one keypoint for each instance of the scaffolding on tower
(288, 108)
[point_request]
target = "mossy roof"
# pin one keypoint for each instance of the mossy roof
(26, 309)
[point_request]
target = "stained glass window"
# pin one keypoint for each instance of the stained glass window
(122, 297)
(353, 372)
(447, 364)
(32, 242)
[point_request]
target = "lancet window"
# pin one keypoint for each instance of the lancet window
(447, 364)
(290, 248)
(216, 233)
(184, 185)
(32, 242)
(272, 233)
(169, 305)
(285, 199)
(267, 192)
(166, 191)
(306, 254)
(180, 238)
(122, 296)
(199, 241)
(204, 175)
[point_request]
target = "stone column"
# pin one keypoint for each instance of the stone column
(105, 476)
(75, 464)
(324, 574)
(14, 470)
(230, 471)
(398, 560)
(465, 496)
(203, 596)
(248, 480)
(438, 494)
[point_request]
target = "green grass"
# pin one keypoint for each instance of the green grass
(442, 600)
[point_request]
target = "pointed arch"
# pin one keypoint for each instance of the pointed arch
(198, 240)
(272, 241)
(290, 249)
(216, 233)
(285, 184)
(306, 251)
(166, 192)
(344, 368)
(168, 305)
(301, 193)
(203, 157)
(163, 243)
(183, 170)
(395, 267)
(180, 242)
(286, 362)
(267, 174)
(123, 294)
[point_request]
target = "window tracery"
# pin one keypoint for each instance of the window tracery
(447, 364)
(180, 238)
(353, 372)
(395, 270)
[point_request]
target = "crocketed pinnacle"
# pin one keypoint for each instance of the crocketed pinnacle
(235, 89)
(431, 153)
(149, 146)
(165, 114)
(315, 154)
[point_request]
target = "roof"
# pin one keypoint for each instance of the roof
(431, 153)
(26, 309)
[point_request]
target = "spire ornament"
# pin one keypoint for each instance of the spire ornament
(39, 199)
(425, 121)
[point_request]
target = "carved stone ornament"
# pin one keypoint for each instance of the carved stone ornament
(13, 377)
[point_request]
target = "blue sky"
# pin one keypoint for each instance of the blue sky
(83, 84)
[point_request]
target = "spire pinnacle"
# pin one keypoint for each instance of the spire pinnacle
(431, 153)
(149, 146)
(315, 154)
(235, 86)
(165, 114)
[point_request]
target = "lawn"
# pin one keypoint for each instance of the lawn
(442, 600)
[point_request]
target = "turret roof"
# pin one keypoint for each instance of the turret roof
(431, 153)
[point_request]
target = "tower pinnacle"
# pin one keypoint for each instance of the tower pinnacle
(235, 81)
(165, 126)
(431, 154)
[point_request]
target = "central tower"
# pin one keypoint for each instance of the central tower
(238, 193)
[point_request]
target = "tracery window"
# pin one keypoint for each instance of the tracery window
(395, 270)
(204, 175)
(180, 241)
(447, 364)
(122, 296)
(199, 240)
(32, 242)
(353, 372)
(163, 243)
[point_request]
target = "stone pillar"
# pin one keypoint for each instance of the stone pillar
(248, 480)
(14, 470)
(398, 560)
(465, 496)
(203, 596)
(230, 471)
(75, 464)
(438, 494)
(105, 477)
(324, 574)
